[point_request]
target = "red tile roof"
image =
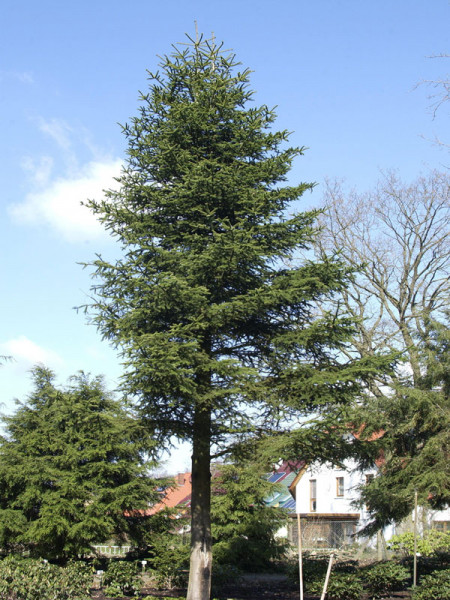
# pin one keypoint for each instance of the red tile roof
(177, 494)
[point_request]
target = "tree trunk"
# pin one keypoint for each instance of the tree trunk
(201, 543)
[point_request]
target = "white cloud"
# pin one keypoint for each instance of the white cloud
(22, 76)
(58, 204)
(59, 131)
(22, 350)
(39, 170)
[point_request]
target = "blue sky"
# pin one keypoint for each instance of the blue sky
(342, 74)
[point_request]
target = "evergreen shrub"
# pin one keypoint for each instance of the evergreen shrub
(122, 579)
(169, 562)
(386, 577)
(433, 541)
(34, 579)
(313, 568)
(435, 586)
(341, 586)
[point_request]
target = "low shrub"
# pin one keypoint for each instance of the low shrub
(432, 542)
(346, 566)
(435, 586)
(165, 598)
(386, 577)
(428, 564)
(313, 568)
(34, 579)
(122, 579)
(341, 586)
(169, 563)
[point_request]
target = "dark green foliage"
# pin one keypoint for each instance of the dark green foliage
(165, 598)
(122, 579)
(202, 306)
(416, 443)
(341, 586)
(169, 560)
(217, 328)
(428, 564)
(30, 579)
(435, 586)
(386, 577)
(315, 569)
(346, 566)
(243, 526)
(71, 464)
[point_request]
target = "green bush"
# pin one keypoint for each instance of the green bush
(426, 565)
(435, 586)
(386, 577)
(341, 586)
(122, 579)
(34, 579)
(433, 541)
(165, 598)
(313, 568)
(346, 566)
(169, 562)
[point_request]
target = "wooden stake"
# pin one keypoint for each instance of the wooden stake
(415, 541)
(325, 585)
(300, 555)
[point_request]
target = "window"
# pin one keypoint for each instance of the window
(312, 495)
(339, 487)
(369, 477)
(441, 525)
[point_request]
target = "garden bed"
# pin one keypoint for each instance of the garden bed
(251, 587)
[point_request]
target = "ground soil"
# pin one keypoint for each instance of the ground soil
(250, 587)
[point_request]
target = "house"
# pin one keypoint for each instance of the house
(176, 495)
(323, 495)
(324, 498)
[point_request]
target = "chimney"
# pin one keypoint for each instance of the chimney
(180, 479)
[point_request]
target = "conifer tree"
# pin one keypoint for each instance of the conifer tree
(244, 523)
(71, 466)
(219, 336)
(416, 440)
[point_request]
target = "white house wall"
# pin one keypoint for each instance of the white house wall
(327, 499)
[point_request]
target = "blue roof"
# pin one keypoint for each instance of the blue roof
(281, 497)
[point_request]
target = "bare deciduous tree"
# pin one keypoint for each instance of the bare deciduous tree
(440, 94)
(398, 238)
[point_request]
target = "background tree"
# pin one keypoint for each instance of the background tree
(244, 526)
(399, 237)
(440, 95)
(71, 465)
(416, 443)
(220, 341)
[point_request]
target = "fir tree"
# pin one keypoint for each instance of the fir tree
(416, 443)
(219, 336)
(71, 466)
(244, 525)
